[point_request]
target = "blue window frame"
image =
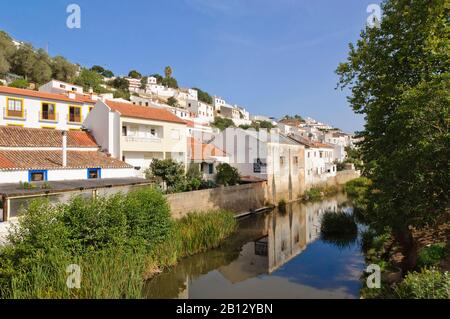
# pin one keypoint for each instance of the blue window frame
(37, 176)
(94, 173)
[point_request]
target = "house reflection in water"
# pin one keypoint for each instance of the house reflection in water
(285, 235)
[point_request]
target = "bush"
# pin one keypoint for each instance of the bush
(20, 84)
(171, 173)
(357, 187)
(314, 194)
(427, 284)
(431, 255)
(227, 175)
(338, 228)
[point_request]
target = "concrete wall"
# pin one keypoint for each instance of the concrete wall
(241, 198)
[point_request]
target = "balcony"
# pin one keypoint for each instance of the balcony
(14, 115)
(138, 139)
(48, 117)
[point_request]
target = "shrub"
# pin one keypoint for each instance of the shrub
(338, 228)
(431, 255)
(282, 206)
(427, 284)
(20, 84)
(171, 172)
(357, 187)
(314, 194)
(227, 175)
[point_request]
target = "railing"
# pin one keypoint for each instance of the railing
(142, 139)
(48, 117)
(15, 115)
(73, 119)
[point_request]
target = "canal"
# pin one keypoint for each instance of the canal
(277, 254)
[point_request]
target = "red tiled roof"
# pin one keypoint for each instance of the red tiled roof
(202, 151)
(144, 112)
(46, 96)
(26, 160)
(14, 136)
(309, 143)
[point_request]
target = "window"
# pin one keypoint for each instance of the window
(124, 131)
(75, 114)
(93, 173)
(309, 154)
(37, 176)
(153, 132)
(15, 107)
(74, 89)
(210, 168)
(62, 86)
(295, 160)
(281, 160)
(48, 111)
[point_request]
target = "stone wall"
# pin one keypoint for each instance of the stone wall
(343, 177)
(240, 198)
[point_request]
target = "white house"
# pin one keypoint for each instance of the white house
(206, 156)
(137, 134)
(267, 156)
(34, 155)
(319, 161)
(37, 109)
(201, 110)
(55, 86)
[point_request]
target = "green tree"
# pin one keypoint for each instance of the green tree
(144, 82)
(170, 82)
(134, 74)
(90, 79)
(4, 64)
(169, 171)
(23, 61)
(7, 50)
(121, 94)
(172, 101)
(398, 75)
(204, 96)
(62, 69)
(20, 84)
(222, 123)
(102, 71)
(42, 71)
(227, 175)
(159, 78)
(120, 84)
(168, 72)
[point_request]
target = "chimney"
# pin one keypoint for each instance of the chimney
(64, 148)
(72, 95)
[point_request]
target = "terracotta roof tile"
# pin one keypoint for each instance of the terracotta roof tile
(47, 96)
(144, 112)
(26, 160)
(13, 136)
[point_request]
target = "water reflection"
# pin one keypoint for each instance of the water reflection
(272, 255)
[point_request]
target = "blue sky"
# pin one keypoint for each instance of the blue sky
(274, 57)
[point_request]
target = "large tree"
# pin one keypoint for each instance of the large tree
(398, 76)
(63, 70)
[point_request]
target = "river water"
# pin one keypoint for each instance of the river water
(272, 255)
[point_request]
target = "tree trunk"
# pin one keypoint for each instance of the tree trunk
(409, 248)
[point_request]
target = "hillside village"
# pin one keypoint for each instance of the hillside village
(76, 125)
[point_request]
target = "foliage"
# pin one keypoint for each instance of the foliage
(354, 157)
(357, 187)
(102, 71)
(158, 77)
(398, 75)
(169, 171)
(314, 194)
(26, 185)
(172, 101)
(115, 240)
(168, 72)
(338, 228)
(134, 74)
(427, 284)
(121, 94)
(227, 175)
(204, 96)
(222, 123)
(63, 70)
(144, 82)
(170, 82)
(89, 80)
(432, 255)
(20, 83)
(120, 84)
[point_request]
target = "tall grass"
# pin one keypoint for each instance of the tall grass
(117, 241)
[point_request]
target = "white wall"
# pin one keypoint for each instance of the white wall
(32, 109)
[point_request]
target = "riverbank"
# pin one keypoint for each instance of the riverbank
(115, 242)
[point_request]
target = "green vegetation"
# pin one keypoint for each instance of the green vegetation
(20, 84)
(172, 101)
(357, 187)
(118, 241)
(227, 175)
(407, 129)
(102, 71)
(222, 123)
(295, 117)
(427, 284)
(282, 205)
(134, 74)
(90, 80)
(318, 193)
(34, 65)
(432, 255)
(338, 228)
(171, 173)
(204, 96)
(257, 125)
